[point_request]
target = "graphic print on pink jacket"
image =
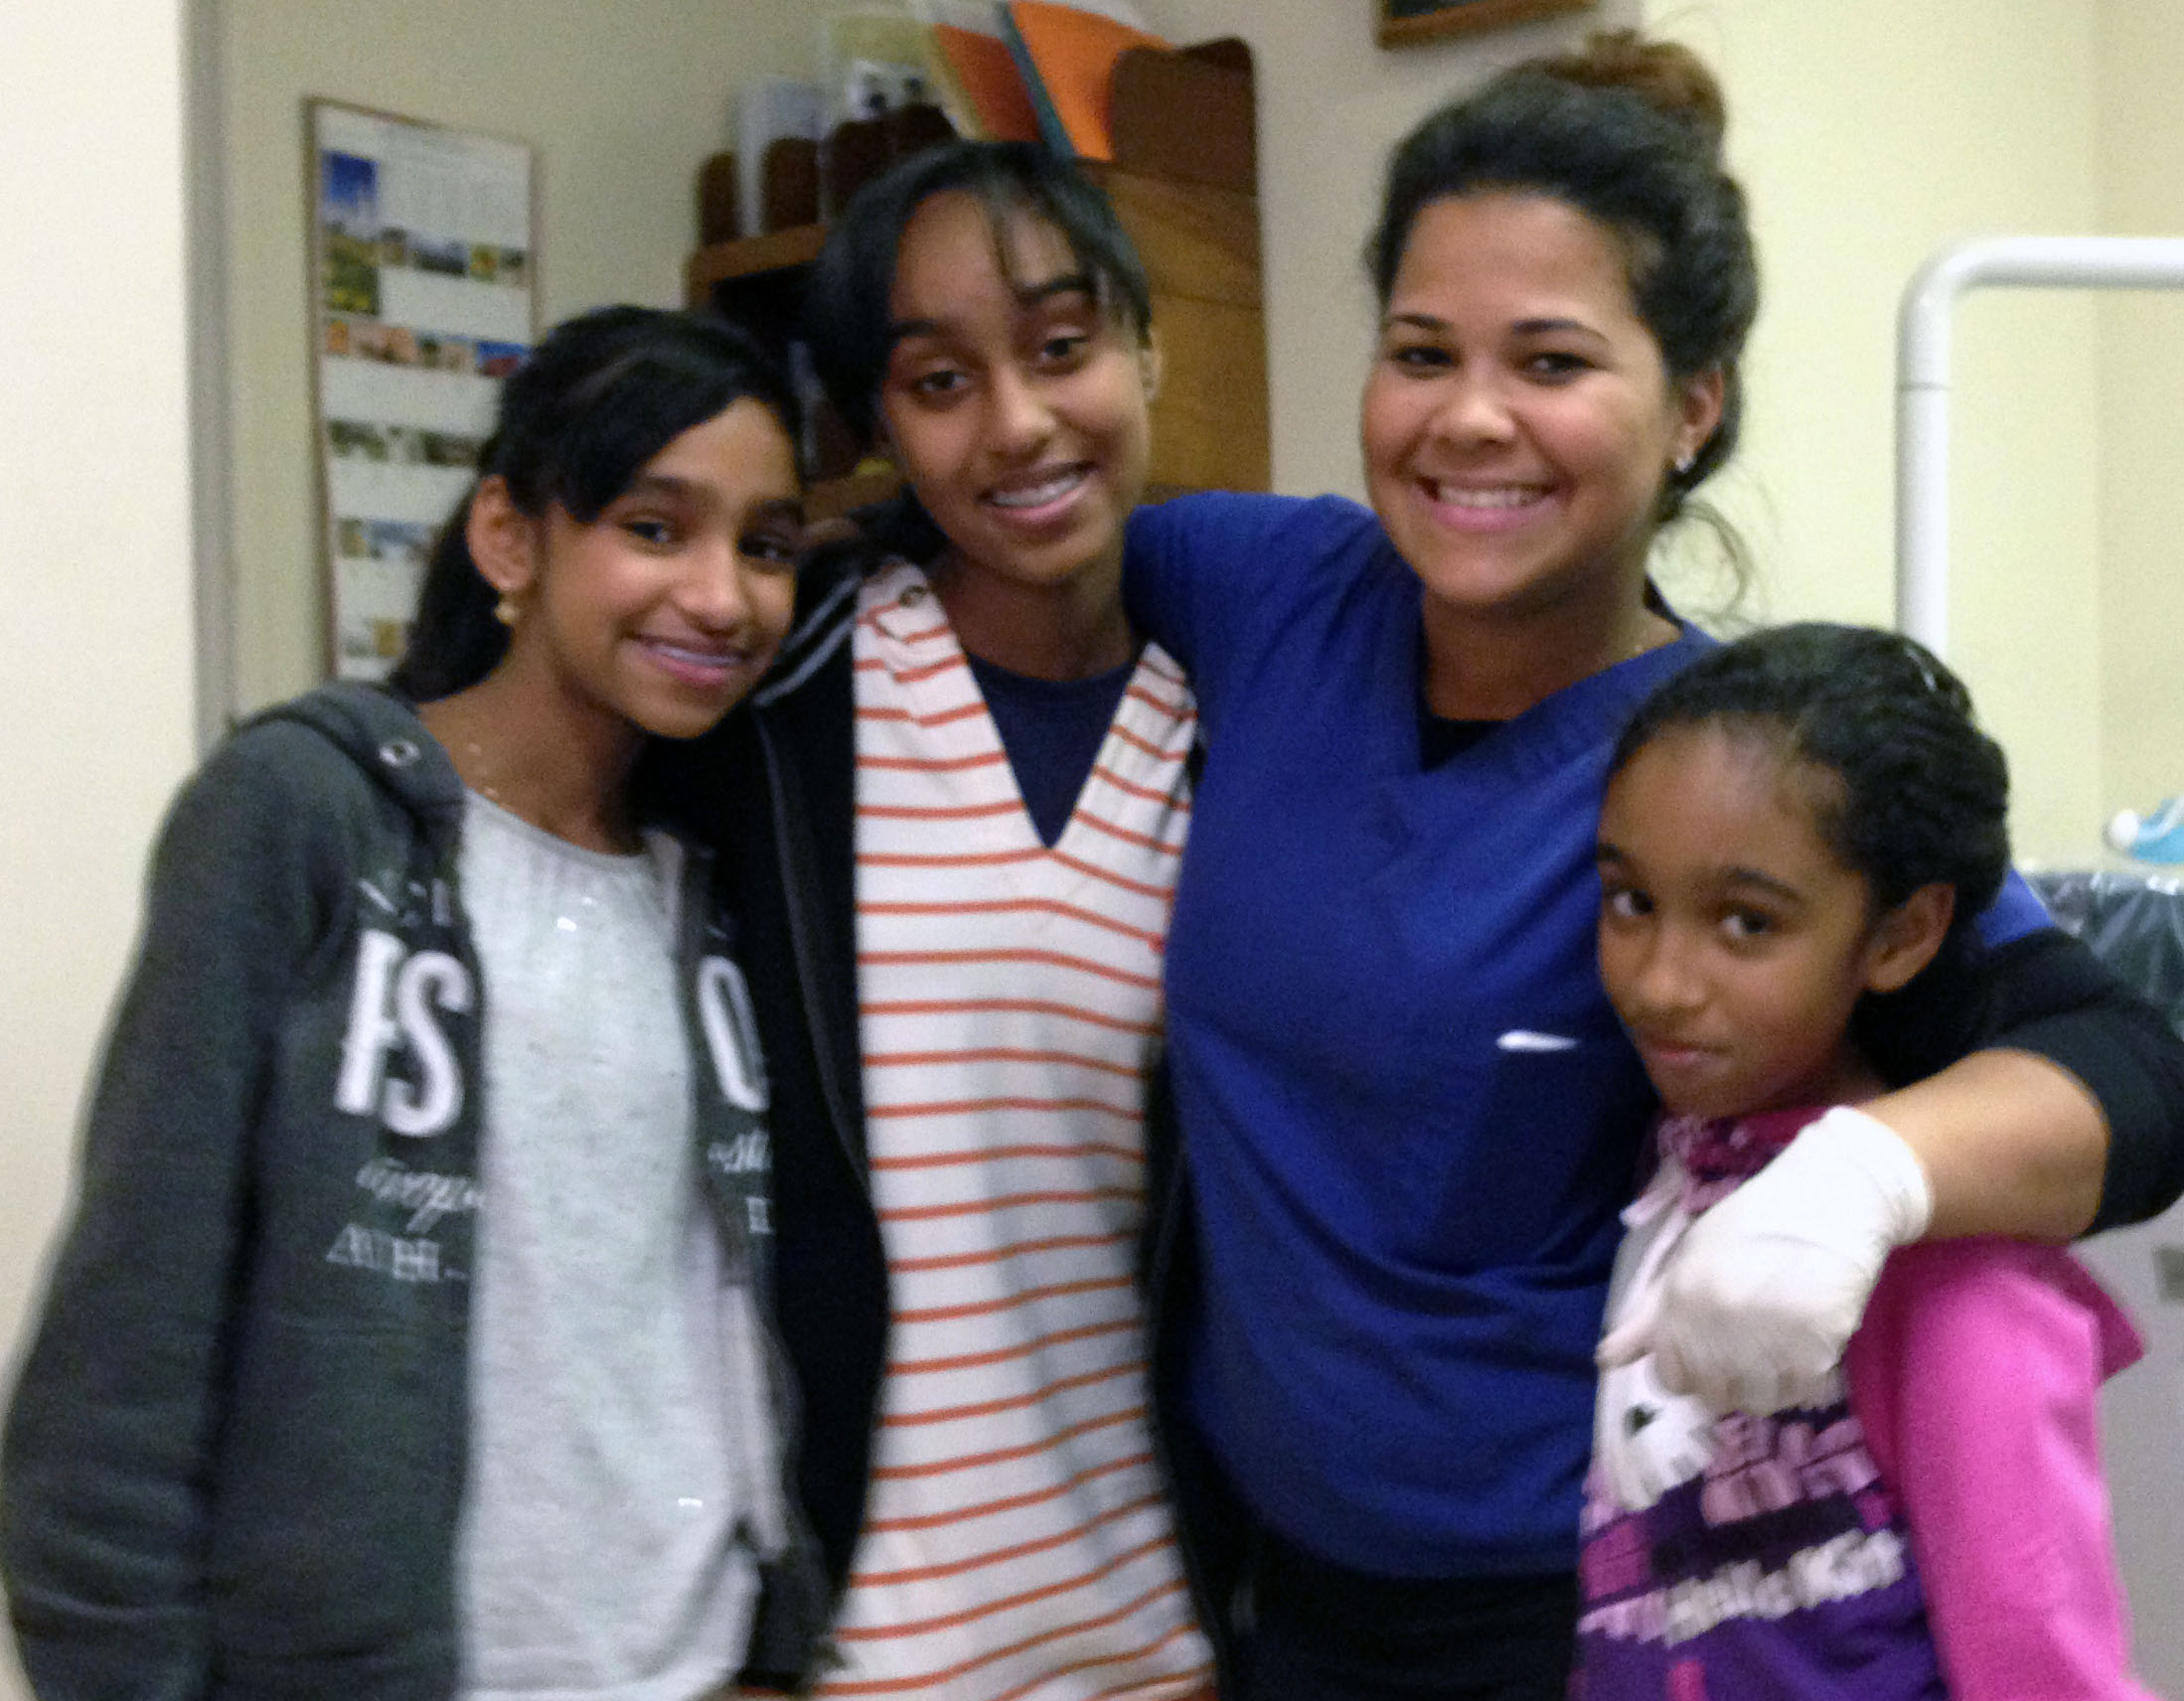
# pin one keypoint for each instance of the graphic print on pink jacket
(1940, 1531)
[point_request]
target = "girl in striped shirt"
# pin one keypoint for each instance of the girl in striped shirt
(983, 769)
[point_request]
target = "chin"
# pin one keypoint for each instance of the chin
(681, 724)
(1062, 563)
(1484, 592)
(1681, 1096)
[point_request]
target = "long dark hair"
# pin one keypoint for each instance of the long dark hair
(1914, 794)
(846, 305)
(1628, 132)
(598, 398)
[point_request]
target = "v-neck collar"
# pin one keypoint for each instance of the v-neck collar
(931, 672)
(1576, 719)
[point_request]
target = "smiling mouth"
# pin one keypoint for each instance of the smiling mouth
(1049, 491)
(1675, 1053)
(702, 667)
(1486, 499)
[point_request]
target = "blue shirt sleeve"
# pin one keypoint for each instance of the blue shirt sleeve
(2016, 912)
(1212, 576)
(1154, 577)
(1179, 568)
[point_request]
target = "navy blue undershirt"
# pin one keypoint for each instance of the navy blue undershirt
(1442, 740)
(1053, 730)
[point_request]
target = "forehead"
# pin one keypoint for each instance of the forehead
(1715, 794)
(957, 250)
(740, 456)
(1505, 253)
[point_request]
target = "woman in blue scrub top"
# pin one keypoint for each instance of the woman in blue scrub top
(1409, 1118)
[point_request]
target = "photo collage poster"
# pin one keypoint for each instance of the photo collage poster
(426, 267)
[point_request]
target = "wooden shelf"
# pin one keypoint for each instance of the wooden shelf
(718, 263)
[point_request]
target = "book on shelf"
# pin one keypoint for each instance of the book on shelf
(769, 110)
(975, 77)
(1068, 55)
(1033, 70)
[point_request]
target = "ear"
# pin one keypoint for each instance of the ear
(1907, 937)
(503, 538)
(1150, 363)
(1699, 401)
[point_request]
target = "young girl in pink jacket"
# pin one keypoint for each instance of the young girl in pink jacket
(1797, 832)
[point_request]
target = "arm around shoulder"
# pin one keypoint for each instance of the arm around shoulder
(1199, 569)
(2070, 1117)
(2012, 1139)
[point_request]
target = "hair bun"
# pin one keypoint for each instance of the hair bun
(1667, 75)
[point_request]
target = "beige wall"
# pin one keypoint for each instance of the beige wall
(2141, 415)
(622, 102)
(94, 528)
(1869, 134)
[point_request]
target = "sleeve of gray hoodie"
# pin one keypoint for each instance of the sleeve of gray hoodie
(105, 1463)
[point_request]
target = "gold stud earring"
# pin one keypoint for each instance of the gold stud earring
(505, 610)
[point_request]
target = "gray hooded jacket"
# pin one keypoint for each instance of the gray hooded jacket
(235, 1459)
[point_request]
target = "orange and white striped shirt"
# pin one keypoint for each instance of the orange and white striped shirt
(1015, 1543)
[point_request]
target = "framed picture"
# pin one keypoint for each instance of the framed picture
(1403, 22)
(424, 276)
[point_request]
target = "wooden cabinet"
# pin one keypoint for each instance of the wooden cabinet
(1183, 186)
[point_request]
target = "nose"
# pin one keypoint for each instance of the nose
(1666, 981)
(1019, 415)
(716, 592)
(1474, 409)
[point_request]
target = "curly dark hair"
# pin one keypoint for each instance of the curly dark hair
(1914, 794)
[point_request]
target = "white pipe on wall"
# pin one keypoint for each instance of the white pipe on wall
(1923, 373)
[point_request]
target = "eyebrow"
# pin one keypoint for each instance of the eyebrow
(1523, 327)
(691, 489)
(1026, 294)
(1551, 327)
(1606, 850)
(1741, 876)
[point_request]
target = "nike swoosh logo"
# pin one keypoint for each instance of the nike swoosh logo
(1525, 1039)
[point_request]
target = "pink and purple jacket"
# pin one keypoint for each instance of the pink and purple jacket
(1942, 1531)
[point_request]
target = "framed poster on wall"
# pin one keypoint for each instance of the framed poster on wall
(1403, 22)
(424, 268)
